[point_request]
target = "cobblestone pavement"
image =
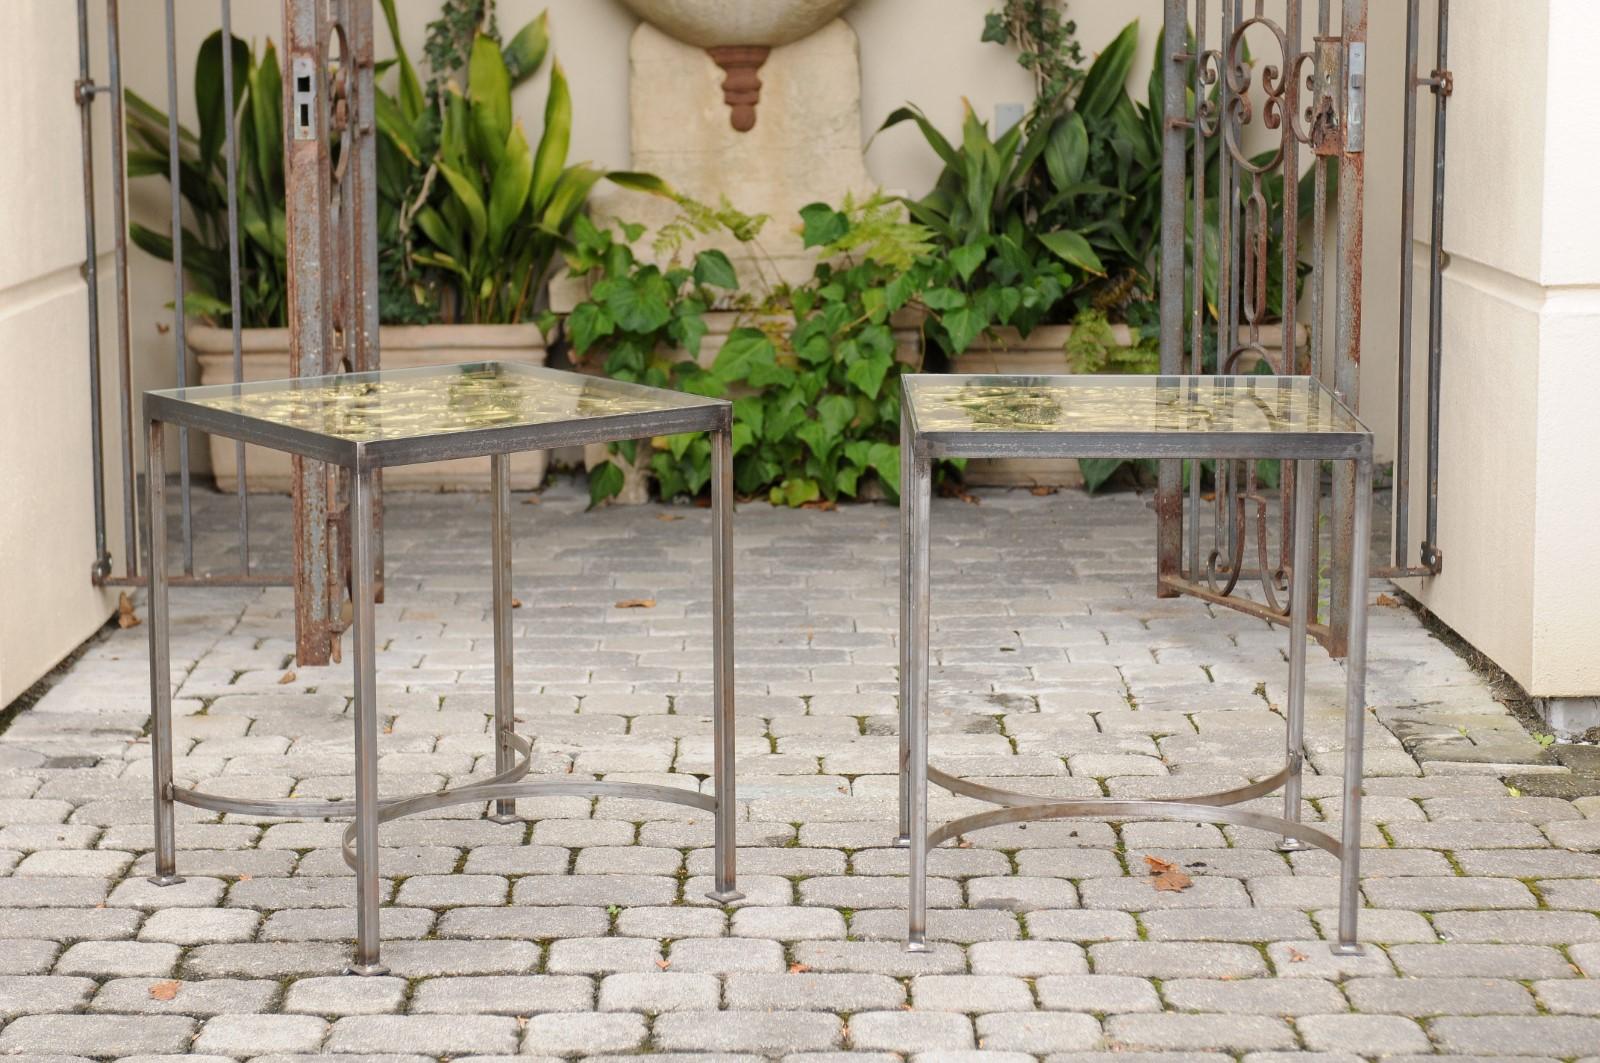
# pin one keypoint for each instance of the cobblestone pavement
(583, 932)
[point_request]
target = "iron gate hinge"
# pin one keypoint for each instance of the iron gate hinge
(1441, 82)
(304, 72)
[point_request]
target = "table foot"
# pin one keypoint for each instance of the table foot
(1292, 845)
(902, 841)
(165, 880)
(1347, 948)
(917, 943)
(367, 970)
(725, 896)
(504, 818)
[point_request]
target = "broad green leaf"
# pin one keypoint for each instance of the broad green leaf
(266, 110)
(489, 93)
(642, 303)
(1073, 249)
(944, 299)
(551, 157)
(795, 493)
(567, 199)
(210, 98)
(466, 193)
(935, 139)
(1096, 471)
(868, 373)
(712, 267)
(1066, 153)
(835, 412)
(885, 461)
(587, 323)
(1106, 82)
(641, 182)
(526, 52)
(968, 258)
(410, 95)
(743, 347)
(963, 326)
(508, 193)
(453, 128)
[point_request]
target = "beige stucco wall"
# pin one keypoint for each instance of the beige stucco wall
(1519, 500)
(47, 603)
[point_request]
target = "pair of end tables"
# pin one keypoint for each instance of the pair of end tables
(364, 422)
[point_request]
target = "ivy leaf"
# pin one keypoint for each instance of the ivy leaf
(815, 435)
(795, 493)
(822, 224)
(944, 299)
(712, 267)
(885, 461)
(605, 481)
(868, 373)
(743, 347)
(749, 411)
(994, 29)
(743, 436)
(588, 322)
(963, 326)
(968, 258)
(835, 412)
(642, 304)
(1096, 471)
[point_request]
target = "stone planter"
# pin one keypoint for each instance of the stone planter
(719, 324)
(1043, 353)
(266, 357)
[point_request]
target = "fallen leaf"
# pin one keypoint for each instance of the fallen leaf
(531, 500)
(663, 964)
(1388, 601)
(668, 516)
(285, 679)
(798, 968)
(1168, 877)
(163, 990)
(125, 614)
(1296, 956)
(951, 490)
(336, 650)
(821, 504)
(637, 603)
(964, 843)
(1041, 491)
(516, 603)
(163, 328)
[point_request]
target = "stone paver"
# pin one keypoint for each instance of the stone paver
(582, 933)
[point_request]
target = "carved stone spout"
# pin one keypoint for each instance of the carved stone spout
(741, 87)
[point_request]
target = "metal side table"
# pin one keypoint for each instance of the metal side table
(1218, 417)
(364, 422)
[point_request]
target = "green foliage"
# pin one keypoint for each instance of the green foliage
(1046, 42)
(203, 184)
(811, 369)
(471, 196)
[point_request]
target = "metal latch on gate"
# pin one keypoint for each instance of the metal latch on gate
(1339, 97)
(304, 71)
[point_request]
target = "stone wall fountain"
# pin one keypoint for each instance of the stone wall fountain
(757, 101)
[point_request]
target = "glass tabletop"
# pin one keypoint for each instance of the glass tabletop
(392, 404)
(1154, 405)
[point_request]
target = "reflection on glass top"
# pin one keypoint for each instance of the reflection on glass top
(433, 400)
(1127, 404)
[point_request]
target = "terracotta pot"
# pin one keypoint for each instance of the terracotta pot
(1043, 353)
(266, 357)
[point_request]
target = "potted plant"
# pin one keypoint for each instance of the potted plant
(1051, 231)
(471, 219)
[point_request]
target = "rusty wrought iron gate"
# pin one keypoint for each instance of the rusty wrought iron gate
(1265, 138)
(330, 181)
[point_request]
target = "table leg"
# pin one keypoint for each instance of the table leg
(166, 850)
(917, 492)
(363, 632)
(903, 835)
(722, 679)
(505, 724)
(1302, 601)
(1355, 714)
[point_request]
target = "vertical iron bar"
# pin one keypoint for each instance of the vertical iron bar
(918, 492)
(505, 722)
(231, 154)
(1227, 331)
(119, 214)
(907, 471)
(84, 92)
(725, 889)
(364, 639)
(165, 871)
(1291, 263)
(174, 180)
(1431, 556)
(1197, 296)
(306, 181)
(1355, 710)
(1169, 489)
(362, 208)
(1408, 226)
(1347, 332)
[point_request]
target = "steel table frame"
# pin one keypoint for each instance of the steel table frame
(920, 448)
(512, 751)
